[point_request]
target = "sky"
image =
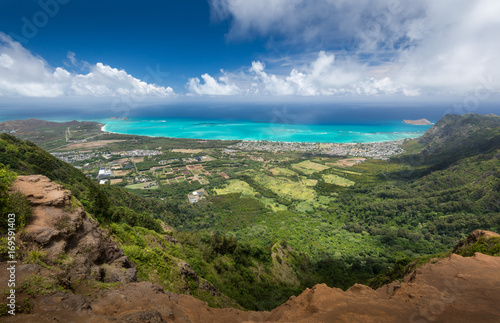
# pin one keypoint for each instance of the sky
(171, 51)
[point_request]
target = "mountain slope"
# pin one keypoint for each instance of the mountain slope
(452, 289)
(458, 136)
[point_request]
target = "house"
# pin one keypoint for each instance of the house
(196, 196)
(104, 173)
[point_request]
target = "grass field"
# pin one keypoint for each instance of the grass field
(349, 162)
(308, 182)
(286, 187)
(278, 171)
(187, 151)
(140, 186)
(196, 171)
(348, 172)
(90, 144)
(308, 167)
(121, 173)
(337, 180)
(238, 186)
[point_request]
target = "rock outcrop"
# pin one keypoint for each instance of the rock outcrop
(475, 237)
(62, 229)
(455, 289)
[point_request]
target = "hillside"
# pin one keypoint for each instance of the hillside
(71, 270)
(458, 136)
(129, 219)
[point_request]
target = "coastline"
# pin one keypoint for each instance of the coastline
(401, 140)
(385, 131)
(247, 131)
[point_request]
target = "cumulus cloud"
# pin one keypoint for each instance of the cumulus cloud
(432, 46)
(322, 76)
(211, 86)
(24, 74)
(325, 22)
(454, 51)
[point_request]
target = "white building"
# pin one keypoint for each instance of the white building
(104, 173)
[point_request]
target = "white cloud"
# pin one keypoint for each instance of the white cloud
(423, 46)
(71, 56)
(6, 61)
(211, 86)
(459, 45)
(23, 74)
(328, 22)
(322, 76)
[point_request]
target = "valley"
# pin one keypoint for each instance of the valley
(248, 219)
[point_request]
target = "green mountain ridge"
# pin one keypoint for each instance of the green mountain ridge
(458, 136)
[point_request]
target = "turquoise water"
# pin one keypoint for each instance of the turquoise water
(376, 131)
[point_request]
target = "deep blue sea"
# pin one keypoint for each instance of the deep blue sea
(300, 122)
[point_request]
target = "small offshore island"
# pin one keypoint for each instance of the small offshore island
(419, 122)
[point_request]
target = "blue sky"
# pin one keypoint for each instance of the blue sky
(176, 35)
(249, 49)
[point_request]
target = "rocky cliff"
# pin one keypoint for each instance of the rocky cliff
(453, 289)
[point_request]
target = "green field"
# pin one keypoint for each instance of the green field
(286, 187)
(308, 167)
(238, 186)
(196, 171)
(337, 180)
(348, 172)
(308, 182)
(140, 186)
(279, 171)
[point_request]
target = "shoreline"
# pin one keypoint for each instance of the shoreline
(269, 141)
(336, 137)
(404, 134)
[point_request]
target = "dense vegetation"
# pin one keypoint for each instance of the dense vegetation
(402, 267)
(25, 158)
(295, 221)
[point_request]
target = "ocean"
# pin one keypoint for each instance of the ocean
(290, 122)
(379, 130)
